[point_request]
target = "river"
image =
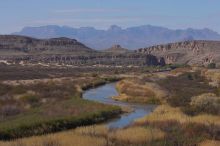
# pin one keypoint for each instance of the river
(104, 93)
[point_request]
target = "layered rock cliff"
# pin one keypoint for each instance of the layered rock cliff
(27, 45)
(64, 51)
(188, 52)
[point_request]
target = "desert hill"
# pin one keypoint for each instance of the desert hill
(187, 52)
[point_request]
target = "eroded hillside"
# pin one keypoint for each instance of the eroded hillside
(189, 52)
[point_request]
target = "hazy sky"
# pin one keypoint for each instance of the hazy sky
(16, 14)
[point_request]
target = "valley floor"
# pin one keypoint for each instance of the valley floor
(188, 113)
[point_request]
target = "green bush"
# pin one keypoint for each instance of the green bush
(30, 98)
(211, 66)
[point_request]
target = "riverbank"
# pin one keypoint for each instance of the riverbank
(183, 119)
(104, 93)
(55, 113)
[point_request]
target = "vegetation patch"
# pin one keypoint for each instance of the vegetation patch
(180, 128)
(51, 106)
(97, 135)
(131, 91)
(183, 87)
(210, 143)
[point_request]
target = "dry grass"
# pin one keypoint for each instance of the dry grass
(179, 71)
(165, 113)
(213, 75)
(94, 130)
(130, 90)
(68, 139)
(208, 102)
(136, 135)
(210, 143)
(92, 136)
(79, 137)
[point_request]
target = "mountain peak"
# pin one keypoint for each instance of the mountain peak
(115, 28)
(116, 49)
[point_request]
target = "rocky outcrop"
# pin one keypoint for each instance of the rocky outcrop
(87, 60)
(188, 52)
(116, 49)
(27, 45)
(64, 51)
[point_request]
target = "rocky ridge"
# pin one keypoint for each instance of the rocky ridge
(64, 51)
(187, 52)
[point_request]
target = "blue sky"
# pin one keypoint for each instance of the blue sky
(16, 14)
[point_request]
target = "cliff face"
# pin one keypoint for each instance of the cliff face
(188, 52)
(27, 45)
(25, 50)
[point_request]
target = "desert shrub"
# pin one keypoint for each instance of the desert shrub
(94, 75)
(209, 103)
(9, 110)
(210, 143)
(18, 89)
(218, 91)
(213, 76)
(183, 87)
(30, 98)
(211, 66)
(188, 134)
(4, 89)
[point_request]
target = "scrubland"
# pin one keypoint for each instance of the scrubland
(188, 113)
(94, 136)
(31, 108)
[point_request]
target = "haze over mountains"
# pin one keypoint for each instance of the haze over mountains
(131, 38)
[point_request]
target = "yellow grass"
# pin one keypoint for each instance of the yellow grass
(85, 136)
(130, 90)
(136, 135)
(166, 113)
(210, 143)
(180, 71)
(64, 139)
(98, 135)
(213, 75)
(94, 130)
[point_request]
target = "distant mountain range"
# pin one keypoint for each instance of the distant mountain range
(131, 38)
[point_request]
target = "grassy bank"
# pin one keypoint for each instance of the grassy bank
(184, 118)
(131, 90)
(95, 136)
(51, 106)
(181, 129)
(36, 124)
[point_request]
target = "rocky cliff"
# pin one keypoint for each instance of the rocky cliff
(188, 52)
(64, 51)
(27, 45)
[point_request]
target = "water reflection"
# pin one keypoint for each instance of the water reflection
(104, 93)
